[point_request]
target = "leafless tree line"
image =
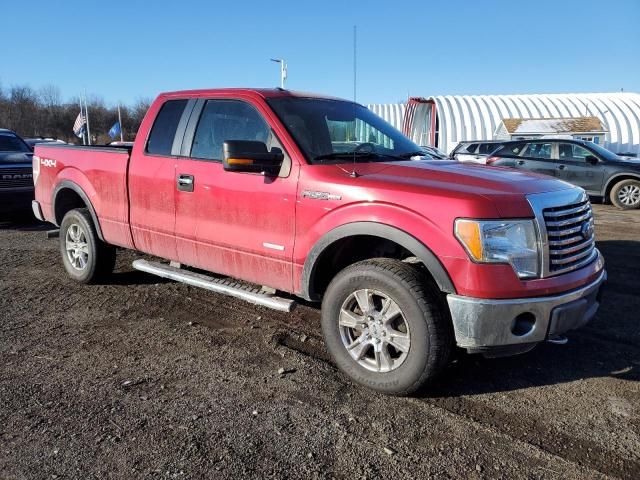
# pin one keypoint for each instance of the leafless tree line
(32, 113)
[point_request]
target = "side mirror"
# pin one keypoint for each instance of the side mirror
(591, 159)
(249, 156)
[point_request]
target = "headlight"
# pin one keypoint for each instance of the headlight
(501, 241)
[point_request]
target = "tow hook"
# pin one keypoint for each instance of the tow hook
(558, 340)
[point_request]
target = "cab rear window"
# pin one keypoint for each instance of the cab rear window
(165, 127)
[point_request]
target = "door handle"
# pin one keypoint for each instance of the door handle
(561, 167)
(520, 162)
(185, 183)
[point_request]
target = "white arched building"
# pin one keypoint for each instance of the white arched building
(443, 121)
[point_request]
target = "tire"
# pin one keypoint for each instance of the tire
(418, 340)
(86, 258)
(626, 194)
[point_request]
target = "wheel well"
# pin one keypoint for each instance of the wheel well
(66, 200)
(349, 250)
(617, 180)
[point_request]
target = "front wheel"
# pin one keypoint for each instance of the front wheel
(385, 326)
(626, 194)
(86, 258)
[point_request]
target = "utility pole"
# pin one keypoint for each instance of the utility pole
(86, 110)
(283, 70)
(120, 122)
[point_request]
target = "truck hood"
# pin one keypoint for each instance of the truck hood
(15, 157)
(505, 187)
(633, 163)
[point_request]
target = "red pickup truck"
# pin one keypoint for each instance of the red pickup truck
(320, 198)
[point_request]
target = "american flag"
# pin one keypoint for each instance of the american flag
(79, 125)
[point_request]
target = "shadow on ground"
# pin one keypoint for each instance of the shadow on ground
(24, 222)
(609, 346)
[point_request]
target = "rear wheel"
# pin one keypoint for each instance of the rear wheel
(86, 258)
(385, 326)
(626, 194)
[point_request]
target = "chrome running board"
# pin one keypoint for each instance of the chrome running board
(226, 286)
(558, 340)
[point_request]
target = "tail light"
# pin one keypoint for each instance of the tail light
(492, 160)
(36, 168)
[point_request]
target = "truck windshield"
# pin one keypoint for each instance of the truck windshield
(338, 131)
(11, 143)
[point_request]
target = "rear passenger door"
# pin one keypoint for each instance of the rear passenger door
(152, 183)
(538, 157)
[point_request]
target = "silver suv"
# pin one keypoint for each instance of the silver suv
(475, 151)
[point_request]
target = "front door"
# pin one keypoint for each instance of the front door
(236, 224)
(574, 168)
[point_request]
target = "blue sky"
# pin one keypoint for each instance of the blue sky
(126, 50)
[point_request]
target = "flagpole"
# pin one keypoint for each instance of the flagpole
(80, 100)
(86, 109)
(120, 122)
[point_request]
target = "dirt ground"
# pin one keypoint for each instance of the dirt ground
(144, 378)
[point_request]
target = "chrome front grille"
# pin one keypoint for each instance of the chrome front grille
(16, 177)
(570, 236)
(565, 225)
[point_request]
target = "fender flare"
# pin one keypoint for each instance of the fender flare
(85, 198)
(611, 181)
(402, 238)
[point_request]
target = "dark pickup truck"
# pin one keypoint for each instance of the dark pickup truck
(16, 175)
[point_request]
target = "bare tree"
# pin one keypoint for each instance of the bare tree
(44, 113)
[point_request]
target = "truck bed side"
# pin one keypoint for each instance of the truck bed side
(97, 175)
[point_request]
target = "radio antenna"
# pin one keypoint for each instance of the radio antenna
(353, 173)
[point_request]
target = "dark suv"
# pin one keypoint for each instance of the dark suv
(600, 172)
(16, 173)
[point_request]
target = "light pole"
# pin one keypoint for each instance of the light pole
(283, 70)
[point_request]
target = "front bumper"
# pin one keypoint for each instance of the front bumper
(511, 326)
(37, 210)
(15, 200)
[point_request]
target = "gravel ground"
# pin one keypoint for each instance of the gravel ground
(143, 378)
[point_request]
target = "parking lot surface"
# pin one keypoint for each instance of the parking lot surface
(149, 378)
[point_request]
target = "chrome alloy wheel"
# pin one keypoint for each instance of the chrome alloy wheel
(77, 247)
(629, 195)
(374, 331)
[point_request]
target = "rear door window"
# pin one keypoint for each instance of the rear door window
(511, 150)
(471, 148)
(164, 128)
(540, 151)
(487, 148)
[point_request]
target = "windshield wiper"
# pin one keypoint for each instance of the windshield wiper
(347, 155)
(330, 156)
(412, 154)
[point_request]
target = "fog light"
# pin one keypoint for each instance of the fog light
(523, 324)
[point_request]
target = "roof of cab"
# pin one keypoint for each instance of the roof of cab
(262, 92)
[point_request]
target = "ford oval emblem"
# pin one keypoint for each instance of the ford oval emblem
(587, 230)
